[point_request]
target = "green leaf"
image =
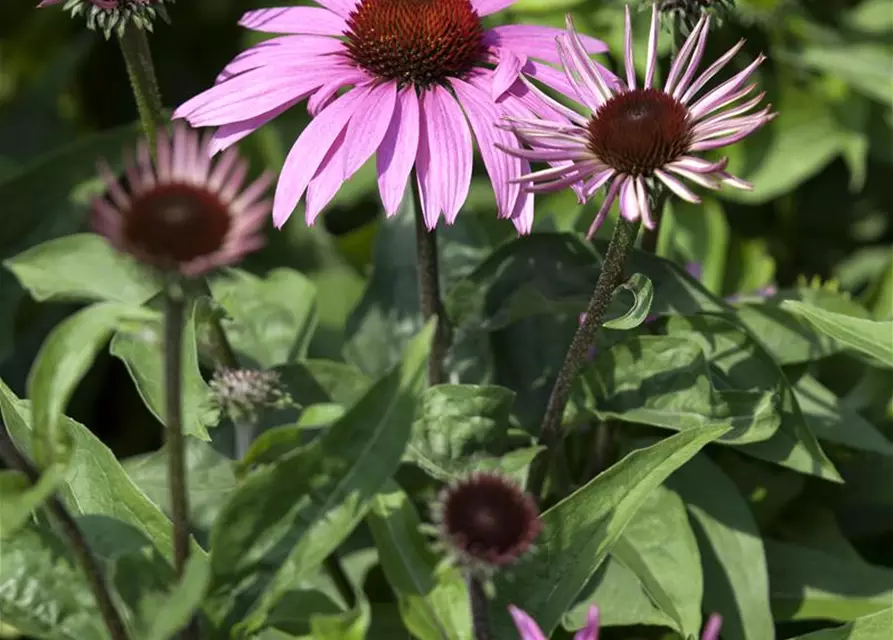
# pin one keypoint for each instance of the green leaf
(141, 351)
(643, 295)
(659, 547)
(82, 268)
(165, 614)
(870, 337)
(18, 497)
(272, 319)
(581, 530)
(830, 418)
(875, 626)
(433, 605)
(697, 233)
(331, 483)
(44, 592)
(96, 483)
(740, 362)
(807, 584)
(454, 424)
(736, 581)
(64, 358)
(665, 381)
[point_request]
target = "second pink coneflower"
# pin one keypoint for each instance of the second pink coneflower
(638, 137)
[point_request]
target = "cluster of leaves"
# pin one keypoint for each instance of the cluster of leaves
(722, 456)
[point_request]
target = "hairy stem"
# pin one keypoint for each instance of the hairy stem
(174, 317)
(610, 277)
(429, 287)
(479, 617)
(15, 460)
(138, 59)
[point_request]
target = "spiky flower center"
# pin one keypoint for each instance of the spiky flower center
(177, 223)
(419, 42)
(638, 131)
(490, 519)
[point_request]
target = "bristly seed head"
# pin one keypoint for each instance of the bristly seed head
(113, 16)
(419, 42)
(638, 131)
(487, 521)
(244, 393)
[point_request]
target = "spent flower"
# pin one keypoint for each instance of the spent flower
(244, 393)
(422, 77)
(182, 212)
(111, 16)
(640, 138)
(486, 521)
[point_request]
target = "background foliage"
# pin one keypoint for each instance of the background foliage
(784, 523)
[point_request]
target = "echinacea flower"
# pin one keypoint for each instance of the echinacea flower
(418, 74)
(638, 137)
(529, 629)
(114, 15)
(486, 520)
(182, 212)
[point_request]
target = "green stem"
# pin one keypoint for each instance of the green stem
(15, 460)
(608, 280)
(138, 59)
(430, 301)
(479, 609)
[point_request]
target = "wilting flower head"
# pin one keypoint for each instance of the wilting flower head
(418, 74)
(182, 212)
(114, 15)
(486, 520)
(530, 630)
(638, 137)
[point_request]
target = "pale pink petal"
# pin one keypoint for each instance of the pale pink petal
(284, 51)
(590, 631)
(527, 627)
(733, 181)
(591, 72)
(711, 629)
(522, 216)
(707, 181)
(684, 93)
(677, 187)
(618, 182)
(229, 134)
(651, 64)
(398, 150)
(309, 150)
(629, 200)
(368, 126)
(506, 72)
(306, 20)
(534, 41)
(486, 7)
(341, 7)
(644, 206)
(682, 57)
(328, 179)
(501, 167)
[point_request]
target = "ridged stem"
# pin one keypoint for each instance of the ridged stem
(138, 59)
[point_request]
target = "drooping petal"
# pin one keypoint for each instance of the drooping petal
(306, 20)
(534, 41)
(677, 187)
(486, 7)
(398, 150)
(507, 71)
(527, 627)
(309, 150)
(522, 215)
(368, 126)
(629, 200)
(483, 116)
(616, 184)
(285, 51)
(590, 631)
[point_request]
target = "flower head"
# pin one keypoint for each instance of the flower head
(688, 12)
(529, 629)
(244, 393)
(640, 136)
(487, 520)
(114, 15)
(182, 212)
(422, 78)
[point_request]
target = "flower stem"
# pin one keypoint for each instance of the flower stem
(15, 460)
(174, 317)
(430, 301)
(138, 59)
(610, 277)
(479, 617)
(651, 236)
(243, 433)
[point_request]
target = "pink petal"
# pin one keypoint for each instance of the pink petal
(618, 182)
(522, 216)
(486, 7)
(229, 134)
(285, 51)
(652, 47)
(398, 149)
(501, 167)
(307, 20)
(309, 150)
(328, 179)
(677, 187)
(327, 92)
(535, 41)
(590, 631)
(506, 71)
(368, 126)
(528, 629)
(341, 7)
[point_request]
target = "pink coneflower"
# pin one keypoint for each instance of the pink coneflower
(486, 520)
(638, 137)
(114, 15)
(529, 629)
(183, 212)
(417, 74)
